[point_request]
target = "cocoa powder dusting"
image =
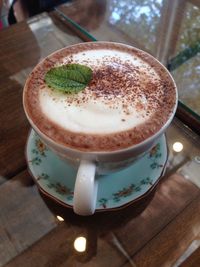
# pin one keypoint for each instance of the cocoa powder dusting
(115, 81)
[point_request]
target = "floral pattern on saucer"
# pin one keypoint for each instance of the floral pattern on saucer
(39, 151)
(57, 178)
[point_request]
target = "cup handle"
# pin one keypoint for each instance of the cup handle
(85, 191)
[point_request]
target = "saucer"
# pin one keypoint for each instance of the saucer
(56, 178)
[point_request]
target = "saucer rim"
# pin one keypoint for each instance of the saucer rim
(65, 205)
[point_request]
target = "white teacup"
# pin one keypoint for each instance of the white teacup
(90, 163)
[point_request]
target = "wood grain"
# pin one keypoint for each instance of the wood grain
(57, 249)
(166, 247)
(160, 234)
(24, 218)
(193, 260)
(14, 131)
(173, 195)
(18, 50)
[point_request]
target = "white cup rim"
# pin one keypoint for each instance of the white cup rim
(117, 151)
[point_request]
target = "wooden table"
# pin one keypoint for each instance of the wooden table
(165, 233)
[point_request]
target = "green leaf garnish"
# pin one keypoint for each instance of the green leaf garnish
(70, 78)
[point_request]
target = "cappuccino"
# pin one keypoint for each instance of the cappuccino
(129, 98)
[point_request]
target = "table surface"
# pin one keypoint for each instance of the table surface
(167, 231)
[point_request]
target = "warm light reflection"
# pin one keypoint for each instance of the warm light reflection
(60, 218)
(80, 244)
(177, 146)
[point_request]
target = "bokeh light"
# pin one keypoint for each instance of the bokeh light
(177, 146)
(80, 244)
(60, 218)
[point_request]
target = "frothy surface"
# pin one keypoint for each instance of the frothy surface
(125, 93)
(108, 104)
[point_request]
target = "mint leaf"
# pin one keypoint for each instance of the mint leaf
(70, 78)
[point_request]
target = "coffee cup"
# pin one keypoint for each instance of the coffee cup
(121, 114)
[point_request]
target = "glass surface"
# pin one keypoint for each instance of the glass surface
(186, 57)
(129, 17)
(163, 230)
(187, 77)
(169, 30)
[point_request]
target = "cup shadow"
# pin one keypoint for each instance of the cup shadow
(100, 223)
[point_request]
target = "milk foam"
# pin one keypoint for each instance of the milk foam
(95, 115)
